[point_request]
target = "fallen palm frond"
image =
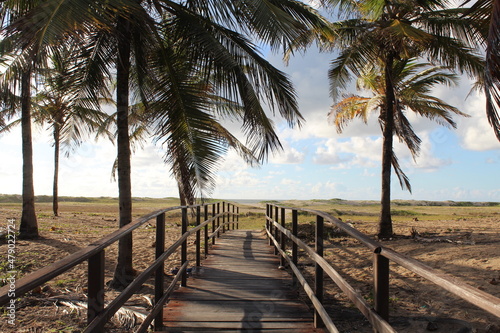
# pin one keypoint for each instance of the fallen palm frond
(464, 238)
(126, 316)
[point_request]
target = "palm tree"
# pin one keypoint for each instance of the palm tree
(413, 82)
(71, 117)
(128, 30)
(17, 78)
(384, 32)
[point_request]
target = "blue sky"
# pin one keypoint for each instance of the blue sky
(316, 163)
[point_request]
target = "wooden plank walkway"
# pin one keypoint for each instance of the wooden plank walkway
(238, 288)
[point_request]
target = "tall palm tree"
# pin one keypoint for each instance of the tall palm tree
(17, 78)
(71, 117)
(413, 82)
(383, 32)
(128, 30)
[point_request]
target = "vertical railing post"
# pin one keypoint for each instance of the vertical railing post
(184, 245)
(294, 245)
(205, 210)
(159, 274)
(95, 287)
(213, 224)
(198, 237)
(283, 238)
(270, 223)
(381, 283)
(276, 230)
(233, 218)
(267, 215)
(218, 219)
(223, 217)
(237, 217)
(318, 323)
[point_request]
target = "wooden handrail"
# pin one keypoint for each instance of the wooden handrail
(378, 322)
(378, 316)
(157, 309)
(98, 315)
(307, 288)
(44, 274)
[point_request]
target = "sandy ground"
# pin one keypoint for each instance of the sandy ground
(469, 249)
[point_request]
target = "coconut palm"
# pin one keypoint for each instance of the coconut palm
(413, 82)
(383, 32)
(124, 33)
(16, 78)
(71, 118)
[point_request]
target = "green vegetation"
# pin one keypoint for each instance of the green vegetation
(403, 213)
(63, 282)
(21, 264)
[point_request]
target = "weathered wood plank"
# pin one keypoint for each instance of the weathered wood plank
(238, 288)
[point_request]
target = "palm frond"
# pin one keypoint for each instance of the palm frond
(492, 71)
(349, 108)
(404, 181)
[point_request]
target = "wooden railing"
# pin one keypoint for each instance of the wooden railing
(97, 314)
(378, 315)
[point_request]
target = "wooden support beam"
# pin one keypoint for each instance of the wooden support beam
(318, 276)
(95, 287)
(381, 284)
(159, 273)
(184, 245)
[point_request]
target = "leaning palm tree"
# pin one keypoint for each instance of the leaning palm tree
(413, 83)
(383, 32)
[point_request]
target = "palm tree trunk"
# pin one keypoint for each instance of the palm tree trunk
(124, 272)
(55, 185)
(385, 223)
(28, 228)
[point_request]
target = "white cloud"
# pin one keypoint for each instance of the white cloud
(356, 151)
(290, 182)
(314, 3)
(232, 162)
(288, 155)
(475, 132)
(426, 160)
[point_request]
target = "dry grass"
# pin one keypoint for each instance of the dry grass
(84, 222)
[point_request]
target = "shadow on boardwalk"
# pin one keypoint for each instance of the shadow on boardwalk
(239, 287)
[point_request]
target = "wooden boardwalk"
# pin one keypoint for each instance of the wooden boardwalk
(238, 288)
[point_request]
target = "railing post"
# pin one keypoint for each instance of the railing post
(381, 283)
(267, 215)
(184, 245)
(276, 231)
(159, 274)
(270, 208)
(198, 238)
(294, 245)
(95, 287)
(283, 238)
(218, 219)
(223, 217)
(318, 323)
(232, 218)
(213, 223)
(205, 211)
(237, 217)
